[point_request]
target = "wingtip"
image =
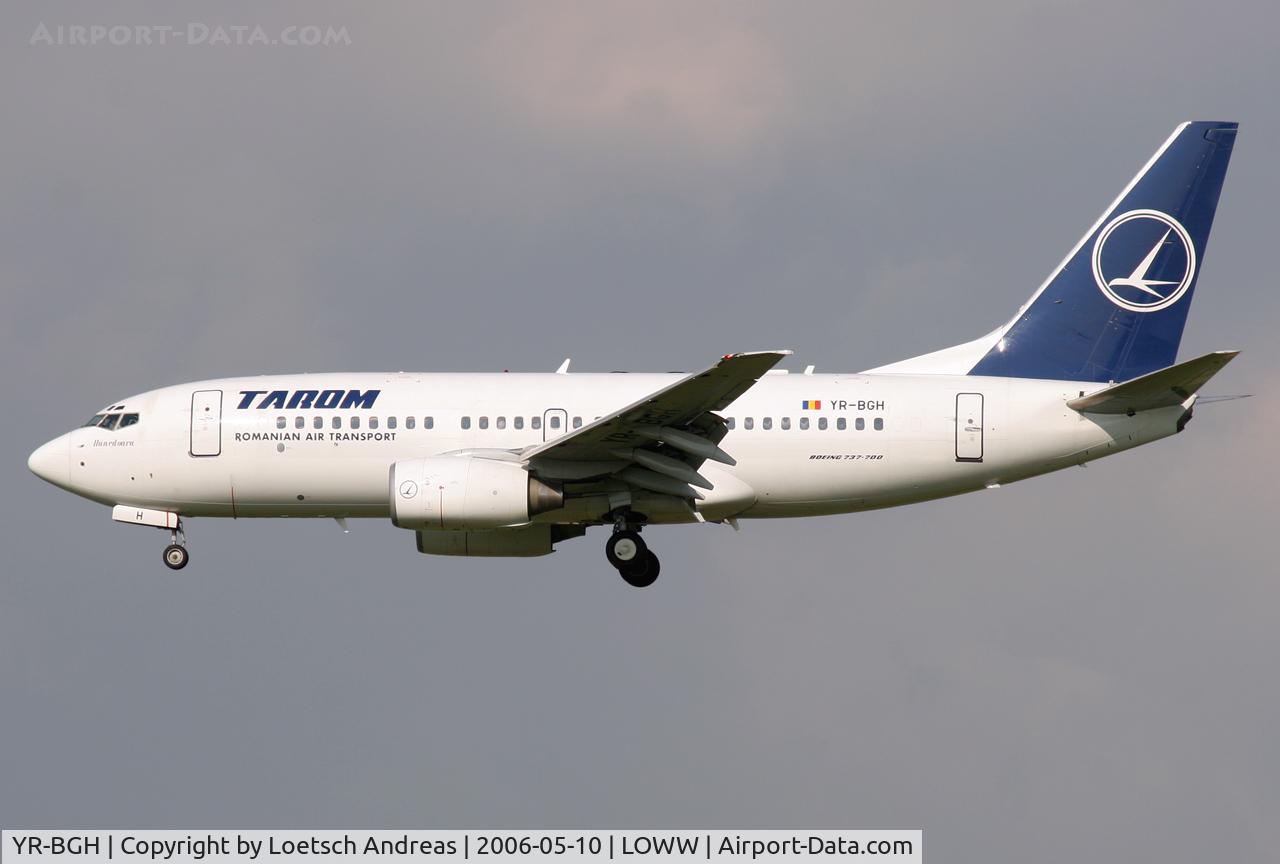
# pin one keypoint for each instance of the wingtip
(780, 352)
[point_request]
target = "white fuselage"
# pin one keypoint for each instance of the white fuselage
(865, 441)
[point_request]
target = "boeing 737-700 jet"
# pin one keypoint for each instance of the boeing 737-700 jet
(512, 464)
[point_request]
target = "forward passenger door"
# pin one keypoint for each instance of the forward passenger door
(206, 423)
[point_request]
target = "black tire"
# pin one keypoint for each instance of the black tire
(616, 548)
(175, 556)
(642, 572)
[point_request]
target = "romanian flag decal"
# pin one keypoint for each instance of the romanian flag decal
(811, 405)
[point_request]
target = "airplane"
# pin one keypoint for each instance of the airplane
(512, 464)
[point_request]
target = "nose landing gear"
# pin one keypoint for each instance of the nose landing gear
(629, 555)
(175, 554)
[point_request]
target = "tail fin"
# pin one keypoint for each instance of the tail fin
(1115, 307)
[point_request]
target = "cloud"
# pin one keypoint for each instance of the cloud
(684, 76)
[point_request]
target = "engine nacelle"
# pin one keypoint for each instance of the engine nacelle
(466, 492)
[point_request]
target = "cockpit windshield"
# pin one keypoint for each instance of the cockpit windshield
(112, 421)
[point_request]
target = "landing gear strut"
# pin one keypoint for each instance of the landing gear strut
(175, 554)
(628, 554)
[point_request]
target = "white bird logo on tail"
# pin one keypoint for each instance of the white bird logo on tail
(1138, 280)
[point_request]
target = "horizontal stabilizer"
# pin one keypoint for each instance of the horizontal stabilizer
(1163, 388)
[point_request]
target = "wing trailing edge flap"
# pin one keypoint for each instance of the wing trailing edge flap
(1163, 388)
(659, 442)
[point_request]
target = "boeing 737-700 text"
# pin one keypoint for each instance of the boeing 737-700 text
(511, 464)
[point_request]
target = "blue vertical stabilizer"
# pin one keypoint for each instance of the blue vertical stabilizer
(1115, 308)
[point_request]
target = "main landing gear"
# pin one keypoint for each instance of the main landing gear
(625, 550)
(175, 554)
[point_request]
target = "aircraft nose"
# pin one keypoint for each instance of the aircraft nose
(52, 461)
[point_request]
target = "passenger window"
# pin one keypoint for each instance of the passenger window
(484, 422)
(577, 421)
(555, 421)
(804, 422)
(95, 419)
(535, 422)
(518, 422)
(428, 422)
(128, 420)
(279, 422)
(466, 422)
(841, 424)
(879, 424)
(355, 422)
(766, 423)
(501, 422)
(318, 423)
(373, 422)
(299, 422)
(822, 423)
(748, 423)
(859, 424)
(391, 422)
(337, 423)
(409, 422)
(729, 423)
(786, 423)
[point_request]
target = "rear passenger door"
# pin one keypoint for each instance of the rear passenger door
(969, 427)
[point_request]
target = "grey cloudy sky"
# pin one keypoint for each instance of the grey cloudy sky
(1076, 666)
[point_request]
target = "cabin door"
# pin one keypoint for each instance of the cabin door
(968, 427)
(206, 423)
(555, 422)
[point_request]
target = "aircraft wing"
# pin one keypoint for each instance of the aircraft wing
(657, 442)
(1163, 388)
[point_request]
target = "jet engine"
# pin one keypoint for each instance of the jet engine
(466, 492)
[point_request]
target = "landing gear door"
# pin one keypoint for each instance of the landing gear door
(968, 427)
(555, 422)
(206, 423)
